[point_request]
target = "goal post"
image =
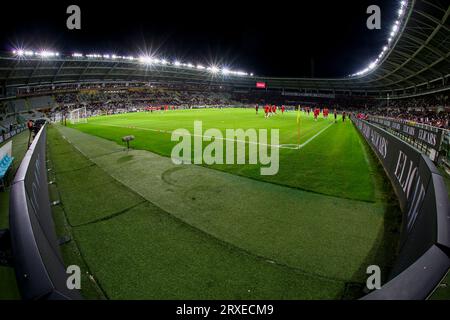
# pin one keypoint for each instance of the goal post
(78, 116)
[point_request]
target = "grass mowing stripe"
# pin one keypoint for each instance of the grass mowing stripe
(282, 224)
(313, 168)
(83, 208)
(225, 139)
(147, 254)
(183, 222)
(169, 261)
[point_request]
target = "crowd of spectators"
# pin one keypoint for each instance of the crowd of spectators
(431, 110)
(150, 96)
(438, 119)
(118, 98)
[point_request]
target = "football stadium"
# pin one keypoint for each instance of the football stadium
(142, 177)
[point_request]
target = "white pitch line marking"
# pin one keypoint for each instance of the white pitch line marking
(280, 146)
(314, 136)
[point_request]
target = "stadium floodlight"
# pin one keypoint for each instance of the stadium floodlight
(47, 54)
(148, 60)
(93, 55)
(239, 73)
(393, 33)
(145, 59)
(213, 69)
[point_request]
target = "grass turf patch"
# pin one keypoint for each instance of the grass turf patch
(147, 253)
(325, 236)
(80, 182)
(334, 155)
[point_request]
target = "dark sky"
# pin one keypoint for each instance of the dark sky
(276, 38)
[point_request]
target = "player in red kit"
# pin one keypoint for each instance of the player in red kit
(316, 113)
(282, 109)
(266, 111)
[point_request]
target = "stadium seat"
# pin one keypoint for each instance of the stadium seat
(5, 164)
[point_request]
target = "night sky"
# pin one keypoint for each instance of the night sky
(276, 38)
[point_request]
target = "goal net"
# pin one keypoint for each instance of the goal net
(78, 116)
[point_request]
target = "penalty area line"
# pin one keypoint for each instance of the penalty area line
(280, 146)
(314, 136)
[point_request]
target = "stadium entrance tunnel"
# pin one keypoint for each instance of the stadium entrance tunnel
(424, 257)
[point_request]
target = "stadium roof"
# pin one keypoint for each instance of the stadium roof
(416, 60)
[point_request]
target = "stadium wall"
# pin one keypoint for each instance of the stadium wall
(9, 135)
(424, 253)
(38, 264)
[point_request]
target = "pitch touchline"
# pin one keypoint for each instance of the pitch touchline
(280, 146)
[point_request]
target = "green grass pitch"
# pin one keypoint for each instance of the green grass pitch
(144, 228)
(335, 155)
